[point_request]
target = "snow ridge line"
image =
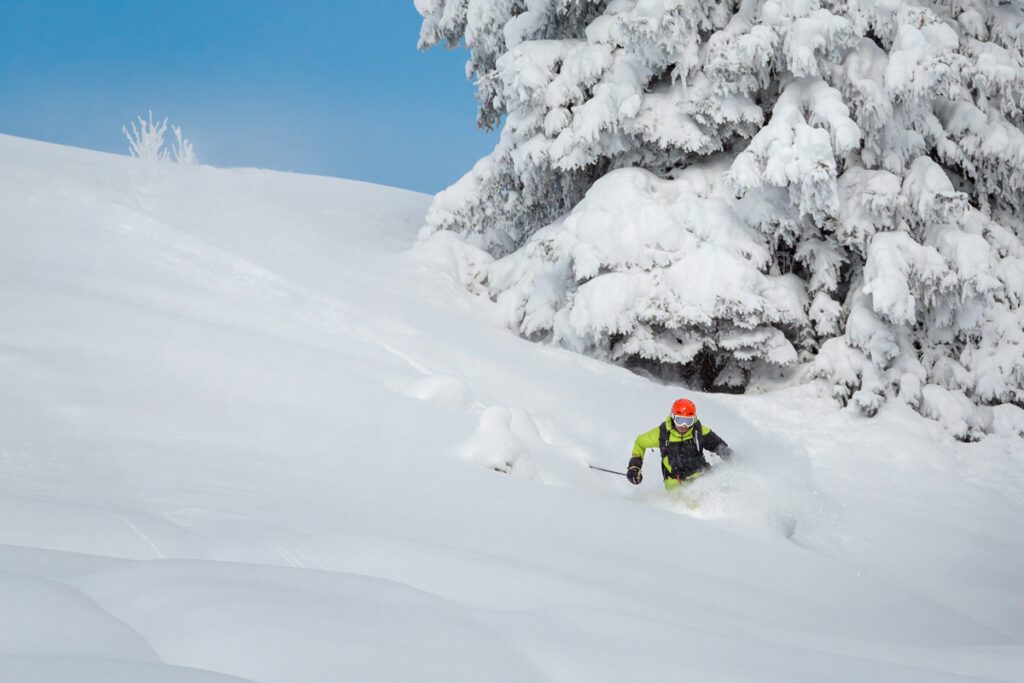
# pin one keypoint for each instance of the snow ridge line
(141, 534)
(286, 556)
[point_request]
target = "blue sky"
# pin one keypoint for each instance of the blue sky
(315, 86)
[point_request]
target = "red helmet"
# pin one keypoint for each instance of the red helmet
(684, 415)
(684, 407)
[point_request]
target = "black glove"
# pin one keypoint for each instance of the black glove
(634, 474)
(724, 452)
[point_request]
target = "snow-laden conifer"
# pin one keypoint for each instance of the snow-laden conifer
(720, 188)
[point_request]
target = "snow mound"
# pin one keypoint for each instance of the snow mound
(331, 624)
(501, 441)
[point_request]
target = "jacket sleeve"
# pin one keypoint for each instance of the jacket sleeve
(646, 440)
(712, 441)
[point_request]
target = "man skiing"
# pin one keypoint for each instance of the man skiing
(682, 440)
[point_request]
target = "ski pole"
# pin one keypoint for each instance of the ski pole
(595, 467)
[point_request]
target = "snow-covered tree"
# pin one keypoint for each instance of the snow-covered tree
(183, 150)
(717, 189)
(146, 141)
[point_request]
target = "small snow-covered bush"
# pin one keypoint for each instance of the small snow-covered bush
(720, 188)
(146, 141)
(184, 153)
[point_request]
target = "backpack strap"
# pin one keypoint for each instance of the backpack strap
(697, 433)
(663, 440)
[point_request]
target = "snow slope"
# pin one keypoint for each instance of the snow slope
(249, 432)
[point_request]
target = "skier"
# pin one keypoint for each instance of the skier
(682, 439)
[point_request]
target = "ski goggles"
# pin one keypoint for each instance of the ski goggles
(682, 421)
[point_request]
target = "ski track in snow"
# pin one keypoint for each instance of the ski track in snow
(300, 418)
(131, 525)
